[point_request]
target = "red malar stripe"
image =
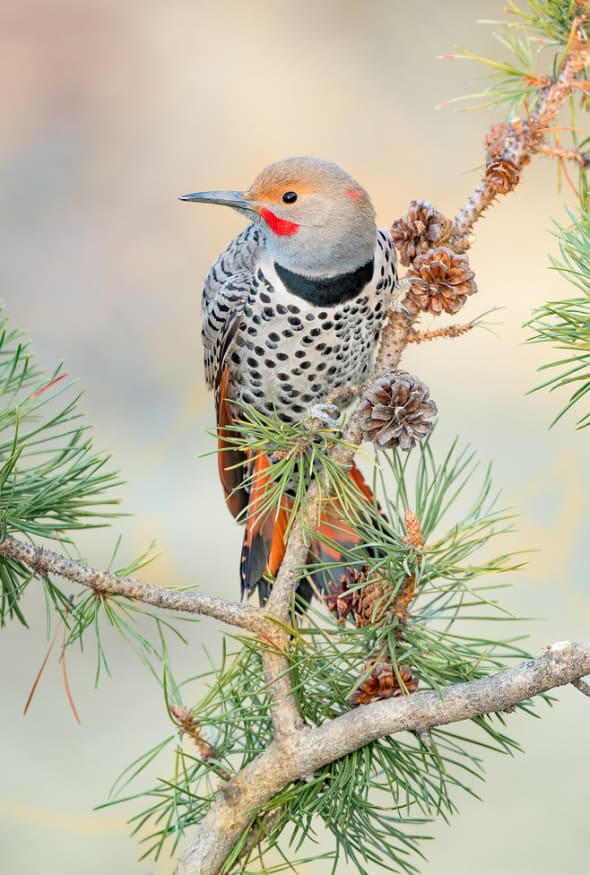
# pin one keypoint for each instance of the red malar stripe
(282, 227)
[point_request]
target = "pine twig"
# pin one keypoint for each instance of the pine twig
(512, 145)
(106, 583)
(434, 333)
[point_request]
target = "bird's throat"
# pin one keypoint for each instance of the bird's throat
(328, 291)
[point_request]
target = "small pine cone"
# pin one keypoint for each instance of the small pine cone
(502, 175)
(340, 599)
(418, 231)
(371, 602)
(446, 280)
(396, 411)
(413, 529)
(383, 684)
(187, 721)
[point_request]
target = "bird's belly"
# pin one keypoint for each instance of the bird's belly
(290, 356)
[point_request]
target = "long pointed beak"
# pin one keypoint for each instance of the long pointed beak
(234, 199)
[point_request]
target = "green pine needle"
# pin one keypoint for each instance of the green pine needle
(565, 325)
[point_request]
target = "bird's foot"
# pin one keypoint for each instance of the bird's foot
(344, 395)
(328, 414)
(398, 307)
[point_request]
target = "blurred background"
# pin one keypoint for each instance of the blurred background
(110, 111)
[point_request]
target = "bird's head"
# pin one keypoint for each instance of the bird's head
(317, 220)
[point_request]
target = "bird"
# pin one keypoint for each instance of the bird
(292, 311)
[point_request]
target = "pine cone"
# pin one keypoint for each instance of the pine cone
(446, 280)
(418, 231)
(356, 593)
(371, 602)
(502, 175)
(340, 599)
(395, 411)
(383, 684)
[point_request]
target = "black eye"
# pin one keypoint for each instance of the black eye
(290, 197)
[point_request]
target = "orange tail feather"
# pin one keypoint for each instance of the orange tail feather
(265, 537)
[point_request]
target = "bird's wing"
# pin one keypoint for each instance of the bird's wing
(225, 294)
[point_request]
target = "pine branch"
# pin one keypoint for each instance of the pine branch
(105, 583)
(299, 755)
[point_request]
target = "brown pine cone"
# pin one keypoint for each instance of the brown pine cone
(371, 602)
(396, 411)
(383, 684)
(418, 231)
(502, 175)
(446, 281)
(341, 600)
(359, 594)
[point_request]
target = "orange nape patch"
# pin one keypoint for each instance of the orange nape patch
(355, 194)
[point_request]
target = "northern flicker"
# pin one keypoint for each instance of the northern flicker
(292, 310)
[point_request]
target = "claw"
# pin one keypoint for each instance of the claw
(398, 307)
(329, 414)
(405, 284)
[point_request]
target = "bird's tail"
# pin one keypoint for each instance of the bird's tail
(264, 544)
